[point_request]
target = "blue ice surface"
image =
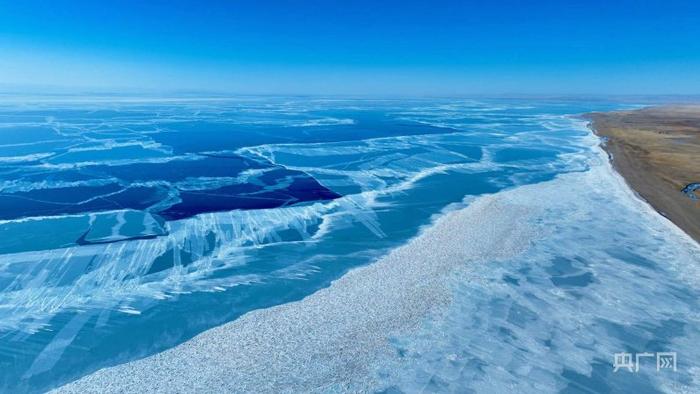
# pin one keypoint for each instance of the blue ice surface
(132, 226)
(146, 185)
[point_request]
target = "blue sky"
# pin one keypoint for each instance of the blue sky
(388, 47)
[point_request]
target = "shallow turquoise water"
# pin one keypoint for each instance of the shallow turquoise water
(131, 226)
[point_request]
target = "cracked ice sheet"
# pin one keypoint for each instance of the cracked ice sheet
(431, 315)
(326, 340)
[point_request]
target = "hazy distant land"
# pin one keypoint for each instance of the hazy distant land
(657, 151)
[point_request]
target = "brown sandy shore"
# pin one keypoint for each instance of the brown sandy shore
(657, 151)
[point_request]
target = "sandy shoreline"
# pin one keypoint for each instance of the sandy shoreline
(657, 150)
